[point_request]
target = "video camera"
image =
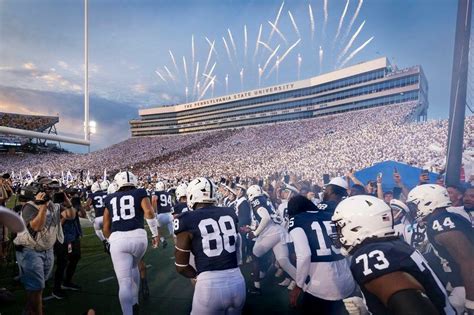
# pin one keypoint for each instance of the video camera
(29, 193)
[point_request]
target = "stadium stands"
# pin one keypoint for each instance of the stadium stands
(28, 122)
(309, 148)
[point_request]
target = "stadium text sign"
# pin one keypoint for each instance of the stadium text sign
(239, 96)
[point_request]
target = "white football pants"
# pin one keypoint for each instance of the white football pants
(274, 238)
(127, 249)
(98, 224)
(165, 219)
(219, 292)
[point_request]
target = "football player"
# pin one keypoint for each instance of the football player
(163, 205)
(242, 209)
(452, 237)
(123, 226)
(96, 201)
(269, 235)
(181, 206)
(322, 272)
(394, 277)
(210, 234)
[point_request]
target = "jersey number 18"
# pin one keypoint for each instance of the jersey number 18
(126, 210)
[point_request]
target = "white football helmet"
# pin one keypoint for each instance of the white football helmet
(359, 218)
(104, 185)
(254, 191)
(399, 210)
(426, 198)
(126, 178)
(160, 186)
(95, 187)
(113, 187)
(201, 190)
(181, 191)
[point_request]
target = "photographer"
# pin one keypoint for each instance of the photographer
(34, 247)
(6, 192)
(68, 253)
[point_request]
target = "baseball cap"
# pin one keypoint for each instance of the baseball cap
(11, 220)
(339, 181)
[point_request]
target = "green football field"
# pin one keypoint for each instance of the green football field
(170, 293)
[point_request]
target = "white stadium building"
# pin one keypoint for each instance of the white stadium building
(365, 85)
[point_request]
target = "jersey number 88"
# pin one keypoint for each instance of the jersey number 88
(222, 234)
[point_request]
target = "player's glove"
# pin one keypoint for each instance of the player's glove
(457, 298)
(355, 306)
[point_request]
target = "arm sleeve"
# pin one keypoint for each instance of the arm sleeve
(263, 213)
(303, 255)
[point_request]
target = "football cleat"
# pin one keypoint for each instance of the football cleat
(255, 291)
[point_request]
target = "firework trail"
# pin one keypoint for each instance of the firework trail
(174, 62)
(196, 79)
(169, 74)
(311, 19)
(227, 84)
(321, 55)
(325, 8)
(209, 56)
(227, 50)
(270, 58)
(185, 70)
(245, 42)
(211, 45)
(232, 42)
(355, 52)
(354, 17)
(276, 21)
(161, 76)
(299, 65)
(275, 28)
(241, 73)
(289, 50)
(349, 44)
(258, 41)
(280, 59)
(266, 46)
(206, 88)
(297, 31)
(341, 20)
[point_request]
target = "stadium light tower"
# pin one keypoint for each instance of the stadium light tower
(457, 110)
(86, 75)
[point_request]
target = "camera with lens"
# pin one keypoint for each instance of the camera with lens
(29, 193)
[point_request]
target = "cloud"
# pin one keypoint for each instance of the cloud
(30, 76)
(139, 88)
(63, 64)
(29, 66)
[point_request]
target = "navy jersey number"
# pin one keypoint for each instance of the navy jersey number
(165, 200)
(123, 209)
(220, 233)
(382, 262)
(99, 200)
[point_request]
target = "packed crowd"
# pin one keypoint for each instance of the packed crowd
(262, 188)
(28, 122)
(308, 148)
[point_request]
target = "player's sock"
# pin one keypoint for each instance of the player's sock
(256, 284)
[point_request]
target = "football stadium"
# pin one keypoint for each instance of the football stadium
(368, 84)
(332, 186)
